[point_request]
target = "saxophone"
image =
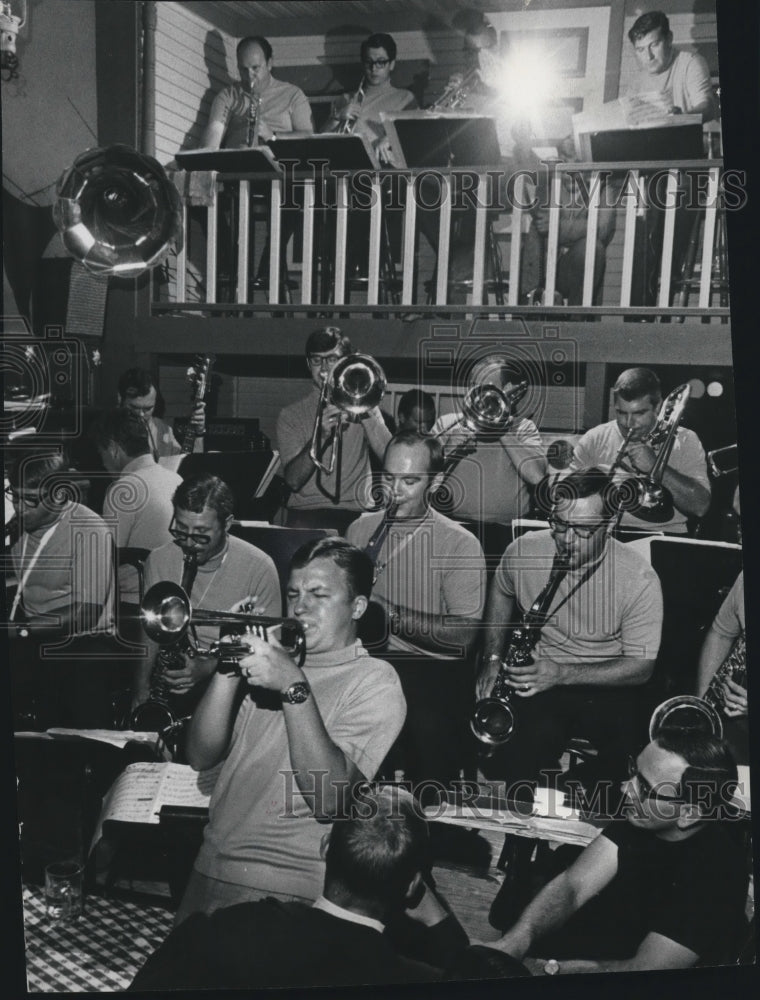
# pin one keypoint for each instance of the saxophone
(156, 714)
(733, 668)
(493, 719)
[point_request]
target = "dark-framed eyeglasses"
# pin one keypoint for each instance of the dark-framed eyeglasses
(644, 790)
(560, 527)
(376, 63)
(320, 360)
(196, 538)
(17, 498)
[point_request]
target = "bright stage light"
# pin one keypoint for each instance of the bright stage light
(527, 78)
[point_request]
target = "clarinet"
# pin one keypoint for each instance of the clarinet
(493, 720)
(254, 110)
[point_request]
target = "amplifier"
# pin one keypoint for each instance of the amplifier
(228, 433)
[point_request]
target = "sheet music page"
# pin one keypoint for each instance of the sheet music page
(182, 786)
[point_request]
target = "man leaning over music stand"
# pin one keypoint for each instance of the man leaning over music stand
(294, 740)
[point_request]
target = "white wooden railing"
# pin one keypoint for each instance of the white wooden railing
(632, 180)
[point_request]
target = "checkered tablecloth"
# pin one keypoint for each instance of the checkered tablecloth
(98, 953)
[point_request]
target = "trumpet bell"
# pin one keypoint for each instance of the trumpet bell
(165, 612)
(117, 211)
(358, 384)
(686, 713)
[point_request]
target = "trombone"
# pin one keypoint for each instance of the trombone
(723, 461)
(168, 618)
(355, 385)
(653, 501)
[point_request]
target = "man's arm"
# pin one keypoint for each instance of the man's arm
(690, 496)
(654, 952)
(376, 432)
(523, 446)
(323, 772)
(498, 616)
(562, 897)
(542, 674)
(448, 634)
(715, 649)
(210, 728)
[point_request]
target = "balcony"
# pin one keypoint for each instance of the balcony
(403, 282)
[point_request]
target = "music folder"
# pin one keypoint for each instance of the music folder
(332, 151)
(229, 161)
(449, 139)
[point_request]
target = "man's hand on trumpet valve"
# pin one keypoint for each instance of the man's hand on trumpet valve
(268, 665)
(533, 678)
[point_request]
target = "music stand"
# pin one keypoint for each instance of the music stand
(230, 161)
(451, 139)
(672, 142)
(328, 151)
(314, 156)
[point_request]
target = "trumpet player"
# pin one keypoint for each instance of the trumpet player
(637, 396)
(319, 499)
(359, 113)
(293, 740)
(227, 570)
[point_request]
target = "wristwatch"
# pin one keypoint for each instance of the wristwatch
(297, 693)
(552, 967)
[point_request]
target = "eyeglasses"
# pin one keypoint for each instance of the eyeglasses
(184, 536)
(581, 530)
(376, 63)
(643, 788)
(320, 360)
(28, 501)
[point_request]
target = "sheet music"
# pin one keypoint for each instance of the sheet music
(143, 788)
(114, 737)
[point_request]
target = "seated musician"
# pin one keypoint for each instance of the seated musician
(255, 111)
(670, 82)
(492, 475)
(294, 740)
(320, 499)
(430, 583)
(359, 113)
(58, 593)
(138, 392)
(722, 669)
(374, 873)
(637, 396)
(664, 888)
(683, 78)
(216, 570)
(416, 411)
(63, 564)
(138, 504)
(602, 619)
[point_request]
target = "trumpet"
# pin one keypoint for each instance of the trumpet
(356, 385)
(168, 618)
(346, 125)
(653, 501)
(456, 94)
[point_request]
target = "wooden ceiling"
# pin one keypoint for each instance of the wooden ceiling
(238, 16)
